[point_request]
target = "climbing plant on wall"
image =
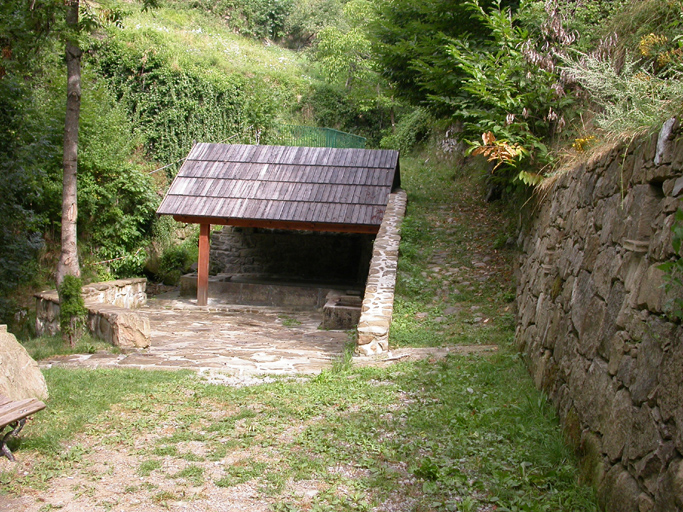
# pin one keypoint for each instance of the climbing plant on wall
(674, 268)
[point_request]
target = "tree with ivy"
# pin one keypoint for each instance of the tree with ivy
(68, 260)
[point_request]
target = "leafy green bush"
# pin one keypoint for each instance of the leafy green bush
(308, 17)
(170, 108)
(512, 97)
(175, 261)
(21, 151)
(411, 130)
(252, 18)
(331, 106)
(72, 312)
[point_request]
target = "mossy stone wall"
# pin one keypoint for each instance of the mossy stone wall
(593, 323)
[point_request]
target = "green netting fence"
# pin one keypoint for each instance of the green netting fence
(290, 135)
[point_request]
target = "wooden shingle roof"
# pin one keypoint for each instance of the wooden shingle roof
(284, 187)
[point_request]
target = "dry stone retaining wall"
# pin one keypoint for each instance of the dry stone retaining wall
(592, 319)
(110, 308)
(378, 301)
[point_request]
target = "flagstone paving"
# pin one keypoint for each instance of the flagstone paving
(238, 340)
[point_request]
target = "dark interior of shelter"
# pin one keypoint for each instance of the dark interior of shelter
(334, 259)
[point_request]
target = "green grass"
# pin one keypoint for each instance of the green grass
(192, 39)
(44, 347)
(289, 321)
(436, 432)
(193, 474)
(442, 296)
(148, 466)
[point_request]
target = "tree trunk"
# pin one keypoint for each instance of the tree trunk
(68, 261)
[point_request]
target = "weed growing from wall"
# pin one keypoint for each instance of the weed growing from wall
(627, 100)
(72, 312)
(674, 269)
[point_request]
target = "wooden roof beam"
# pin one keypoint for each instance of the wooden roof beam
(272, 224)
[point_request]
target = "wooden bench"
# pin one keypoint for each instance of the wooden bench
(13, 413)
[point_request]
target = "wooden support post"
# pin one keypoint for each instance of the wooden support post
(203, 265)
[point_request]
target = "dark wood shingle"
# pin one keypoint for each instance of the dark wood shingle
(283, 186)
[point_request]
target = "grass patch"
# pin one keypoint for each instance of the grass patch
(193, 474)
(79, 400)
(148, 466)
(454, 284)
(44, 347)
(433, 432)
(289, 321)
(243, 471)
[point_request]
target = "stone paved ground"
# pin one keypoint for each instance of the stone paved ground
(235, 340)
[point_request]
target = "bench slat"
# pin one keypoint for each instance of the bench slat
(14, 411)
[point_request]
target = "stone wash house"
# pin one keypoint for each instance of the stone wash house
(293, 216)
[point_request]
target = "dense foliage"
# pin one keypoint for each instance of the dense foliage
(526, 79)
(409, 39)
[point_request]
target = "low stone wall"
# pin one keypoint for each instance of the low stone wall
(592, 320)
(110, 315)
(378, 301)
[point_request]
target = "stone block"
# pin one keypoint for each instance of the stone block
(644, 437)
(631, 272)
(626, 371)
(20, 377)
(647, 369)
(594, 322)
(609, 325)
(605, 267)
(591, 251)
(677, 189)
(661, 248)
(556, 328)
(645, 503)
(593, 395)
(626, 170)
(617, 349)
(670, 389)
(592, 467)
(613, 220)
(669, 494)
(338, 316)
(617, 431)
(609, 183)
(664, 149)
(619, 491)
(119, 326)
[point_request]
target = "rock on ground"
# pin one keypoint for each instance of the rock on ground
(20, 377)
